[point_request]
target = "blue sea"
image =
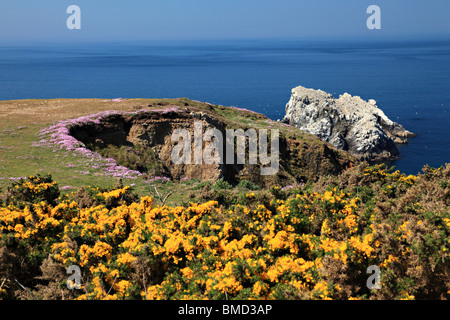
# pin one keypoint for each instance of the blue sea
(410, 80)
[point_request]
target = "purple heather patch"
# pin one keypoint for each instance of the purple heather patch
(58, 135)
(17, 178)
(82, 172)
(242, 109)
(167, 110)
(158, 179)
(292, 186)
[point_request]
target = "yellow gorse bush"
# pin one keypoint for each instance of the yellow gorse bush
(114, 193)
(299, 246)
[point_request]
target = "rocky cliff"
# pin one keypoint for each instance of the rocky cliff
(302, 156)
(348, 123)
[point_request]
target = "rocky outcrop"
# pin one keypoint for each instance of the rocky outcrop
(348, 123)
(302, 156)
(152, 130)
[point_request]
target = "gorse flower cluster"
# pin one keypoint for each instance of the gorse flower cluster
(307, 242)
(33, 189)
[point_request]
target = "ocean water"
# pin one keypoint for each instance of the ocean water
(410, 80)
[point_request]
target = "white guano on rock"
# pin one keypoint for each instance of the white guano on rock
(348, 123)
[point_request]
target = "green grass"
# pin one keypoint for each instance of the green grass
(20, 158)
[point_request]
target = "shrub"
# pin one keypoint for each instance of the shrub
(246, 184)
(93, 196)
(306, 244)
(33, 189)
(137, 157)
(221, 184)
(202, 185)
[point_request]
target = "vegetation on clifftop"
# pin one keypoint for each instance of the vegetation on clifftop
(149, 237)
(312, 241)
(32, 141)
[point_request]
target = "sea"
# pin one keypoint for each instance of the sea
(409, 79)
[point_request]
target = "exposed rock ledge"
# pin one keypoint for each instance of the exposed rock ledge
(146, 136)
(348, 123)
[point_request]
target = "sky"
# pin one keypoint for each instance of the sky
(24, 21)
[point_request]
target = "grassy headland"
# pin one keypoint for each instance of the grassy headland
(314, 239)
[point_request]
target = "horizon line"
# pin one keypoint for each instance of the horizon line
(359, 38)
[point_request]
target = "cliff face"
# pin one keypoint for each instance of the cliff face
(152, 130)
(302, 156)
(348, 123)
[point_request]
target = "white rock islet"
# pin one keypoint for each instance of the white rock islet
(348, 123)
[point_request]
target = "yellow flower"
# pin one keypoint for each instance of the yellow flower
(114, 193)
(406, 296)
(121, 287)
(100, 250)
(321, 290)
(389, 260)
(187, 272)
(229, 285)
(257, 288)
(279, 241)
(327, 196)
(126, 258)
(325, 230)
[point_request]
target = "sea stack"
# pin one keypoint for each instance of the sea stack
(348, 123)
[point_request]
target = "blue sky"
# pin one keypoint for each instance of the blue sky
(117, 20)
